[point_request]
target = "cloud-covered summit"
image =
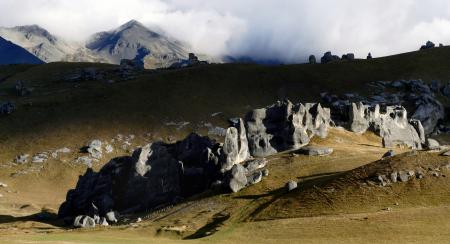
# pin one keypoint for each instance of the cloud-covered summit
(287, 30)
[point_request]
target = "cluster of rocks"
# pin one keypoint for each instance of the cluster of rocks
(85, 74)
(162, 173)
(416, 95)
(407, 175)
(428, 45)
(7, 108)
(192, 61)
(329, 57)
(131, 65)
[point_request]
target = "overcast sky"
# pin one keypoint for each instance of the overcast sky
(288, 30)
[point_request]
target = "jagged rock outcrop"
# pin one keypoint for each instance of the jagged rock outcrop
(155, 174)
(235, 149)
(427, 45)
(416, 95)
(284, 126)
(392, 124)
(328, 57)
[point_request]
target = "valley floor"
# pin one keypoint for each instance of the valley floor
(411, 225)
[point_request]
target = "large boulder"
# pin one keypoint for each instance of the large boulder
(312, 59)
(238, 179)
(155, 174)
(328, 57)
(428, 45)
(235, 149)
(83, 221)
(284, 126)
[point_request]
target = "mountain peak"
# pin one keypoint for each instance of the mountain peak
(130, 24)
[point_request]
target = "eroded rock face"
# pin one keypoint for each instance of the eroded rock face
(235, 149)
(284, 126)
(156, 174)
(392, 125)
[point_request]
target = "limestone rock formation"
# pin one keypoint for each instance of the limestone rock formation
(427, 45)
(235, 149)
(312, 59)
(155, 174)
(284, 126)
(291, 185)
(392, 124)
(328, 57)
(315, 151)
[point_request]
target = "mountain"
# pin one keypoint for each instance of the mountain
(13, 54)
(46, 46)
(134, 41)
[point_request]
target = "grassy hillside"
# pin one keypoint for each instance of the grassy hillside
(60, 113)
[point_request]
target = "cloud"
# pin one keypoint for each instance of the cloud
(287, 30)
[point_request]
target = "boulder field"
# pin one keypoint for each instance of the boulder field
(161, 174)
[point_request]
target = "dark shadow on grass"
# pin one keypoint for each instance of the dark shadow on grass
(42, 217)
(210, 228)
(304, 184)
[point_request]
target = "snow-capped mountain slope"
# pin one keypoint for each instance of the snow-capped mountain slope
(47, 47)
(134, 41)
(11, 53)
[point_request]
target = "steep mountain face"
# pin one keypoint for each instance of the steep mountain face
(47, 47)
(10, 53)
(134, 41)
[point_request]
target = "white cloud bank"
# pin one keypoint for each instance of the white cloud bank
(288, 30)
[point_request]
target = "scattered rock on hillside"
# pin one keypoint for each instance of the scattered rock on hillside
(432, 144)
(109, 148)
(86, 74)
(63, 150)
(3, 184)
(291, 185)
(315, 151)
(40, 158)
(21, 159)
(83, 221)
(7, 108)
(112, 216)
(95, 149)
